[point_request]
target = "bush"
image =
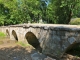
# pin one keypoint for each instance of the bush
(75, 21)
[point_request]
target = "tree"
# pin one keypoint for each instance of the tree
(64, 10)
(4, 11)
(50, 11)
(21, 11)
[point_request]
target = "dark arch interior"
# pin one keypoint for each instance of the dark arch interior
(32, 40)
(14, 35)
(74, 49)
(7, 33)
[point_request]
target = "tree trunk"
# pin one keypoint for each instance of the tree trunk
(69, 17)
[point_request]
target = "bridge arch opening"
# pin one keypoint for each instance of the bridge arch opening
(32, 40)
(14, 35)
(7, 33)
(74, 49)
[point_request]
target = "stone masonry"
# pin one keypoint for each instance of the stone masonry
(53, 39)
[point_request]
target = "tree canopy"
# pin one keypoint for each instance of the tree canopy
(49, 11)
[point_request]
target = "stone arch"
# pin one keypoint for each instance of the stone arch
(74, 49)
(7, 33)
(32, 40)
(14, 35)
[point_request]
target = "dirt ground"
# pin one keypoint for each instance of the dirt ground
(10, 50)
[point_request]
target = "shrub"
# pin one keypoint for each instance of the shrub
(75, 21)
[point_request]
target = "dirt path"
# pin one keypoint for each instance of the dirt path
(10, 50)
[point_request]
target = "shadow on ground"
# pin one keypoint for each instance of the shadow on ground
(15, 53)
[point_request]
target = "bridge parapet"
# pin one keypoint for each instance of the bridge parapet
(50, 26)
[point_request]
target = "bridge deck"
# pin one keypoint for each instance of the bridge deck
(50, 26)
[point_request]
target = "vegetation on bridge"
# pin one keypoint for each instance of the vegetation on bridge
(49, 11)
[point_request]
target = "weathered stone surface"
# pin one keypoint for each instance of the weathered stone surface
(71, 40)
(49, 58)
(51, 38)
(37, 56)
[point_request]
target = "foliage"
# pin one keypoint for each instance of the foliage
(64, 10)
(49, 11)
(75, 21)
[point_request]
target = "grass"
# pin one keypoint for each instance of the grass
(2, 35)
(23, 44)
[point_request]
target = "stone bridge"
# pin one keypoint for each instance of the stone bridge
(51, 39)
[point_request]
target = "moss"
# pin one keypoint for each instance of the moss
(75, 21)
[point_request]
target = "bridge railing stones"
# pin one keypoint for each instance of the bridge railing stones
(54, 39)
